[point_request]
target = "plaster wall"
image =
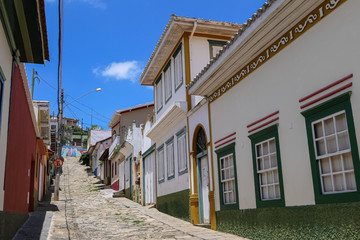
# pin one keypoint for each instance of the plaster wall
(127, 119)
(18, 163)
(5, 71)
(146, 142)
(178, 183)
(200, 117)
(178, 94)
(199, 58)
(324, 54)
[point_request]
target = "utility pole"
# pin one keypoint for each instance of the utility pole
(81, 141)
(59, 149)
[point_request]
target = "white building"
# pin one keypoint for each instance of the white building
(283, 104)
(185, 47)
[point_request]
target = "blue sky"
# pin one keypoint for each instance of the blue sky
(107, 43)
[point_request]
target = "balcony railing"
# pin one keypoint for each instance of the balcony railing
(113, 145)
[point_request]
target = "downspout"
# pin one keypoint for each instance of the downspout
(193, 30)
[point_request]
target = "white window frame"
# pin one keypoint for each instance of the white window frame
(159, 94)
(170, 158)
(161, 164)
(330, 157)
(178, 68)
(167, 81)
(228, 180)
(264, 171)
(181, 153)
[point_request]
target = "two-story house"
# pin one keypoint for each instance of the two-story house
(184, 48)
(283, 104)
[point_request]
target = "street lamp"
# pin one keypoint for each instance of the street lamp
(95, 90)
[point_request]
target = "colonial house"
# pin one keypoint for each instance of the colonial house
(119, 124)
(148, 176)
(99, 149)
(282, 100)
(18, 44)
(184, 48)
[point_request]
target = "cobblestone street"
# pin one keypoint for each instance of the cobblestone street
(88, 213)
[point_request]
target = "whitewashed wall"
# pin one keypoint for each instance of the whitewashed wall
(199, 117)
(327, 52)
(178, 183)
(176, 95)
(146, 142)
(6, 68)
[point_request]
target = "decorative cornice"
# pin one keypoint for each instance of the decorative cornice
(296, 31)
(244, 26)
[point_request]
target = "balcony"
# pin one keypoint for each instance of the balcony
(113, 145)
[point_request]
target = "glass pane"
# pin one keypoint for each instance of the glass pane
(260, 164)
(343, 139)
(331, 144)
(263, 179)
(222, 163)
(325, 165)
(232, 172)
(231, 162)
(320, 147)
(227, 199)
(271, 192)
(348, 162)
(350, 181)
(327, 184)
(273, 160)
(339, 182)
(277, 191)
(266, 162)
(329, 126)
(258, 150)
(336, 163)
(270, 177)
(318, 130)
(222, 175)
(276, 176)
(341, 124)
(272, 146)
(265, 148)
(265, 194)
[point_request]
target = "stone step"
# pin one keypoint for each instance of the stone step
(99, 185)
(204, 225)
(118, 194)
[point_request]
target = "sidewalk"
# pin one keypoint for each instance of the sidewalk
(38, 224)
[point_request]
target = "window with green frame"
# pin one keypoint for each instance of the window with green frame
(170, 158)
(161, 164)
(215, 47)
(227, 177)
(181, 151)
(269, 190)
(333, 150)
(159, 94)
(178, 67)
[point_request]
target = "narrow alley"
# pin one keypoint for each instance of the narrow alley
(88, 213)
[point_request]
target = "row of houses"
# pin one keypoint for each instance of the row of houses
(251, 123)
(24, 124)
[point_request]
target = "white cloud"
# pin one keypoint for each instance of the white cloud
(128, 70)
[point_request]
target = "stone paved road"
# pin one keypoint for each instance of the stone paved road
(87, 213)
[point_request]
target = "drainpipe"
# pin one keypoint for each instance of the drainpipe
(193, 30)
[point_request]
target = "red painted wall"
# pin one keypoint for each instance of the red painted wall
(115, 185)
(21, 149)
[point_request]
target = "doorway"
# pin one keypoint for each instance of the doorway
(203, 177)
